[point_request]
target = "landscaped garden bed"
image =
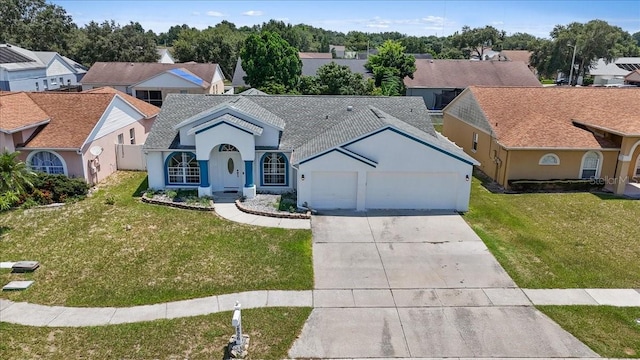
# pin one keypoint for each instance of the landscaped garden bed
(273, 205)
(182, 199)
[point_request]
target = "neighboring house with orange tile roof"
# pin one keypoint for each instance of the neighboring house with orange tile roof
(440, 81)
(151, 82)
(546, 133)
(74, 133)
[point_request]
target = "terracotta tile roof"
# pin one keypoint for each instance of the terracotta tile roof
(147, 109)
(73, 117)
(126, 73)
(517, 55)
(549, 117)
(314, 55)
(463, 73)
(17, 110)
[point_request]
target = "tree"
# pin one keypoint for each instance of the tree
(475, 41)
(593, 40)
(391, 61)
(268, 59)
(109, 41)
(35, 25)
(168, 38)
(636, 37)
(334, 79)
(220, 44)
(519, 41)
(15, 177)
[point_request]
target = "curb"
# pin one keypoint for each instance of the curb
(305, 216)
(184, 206)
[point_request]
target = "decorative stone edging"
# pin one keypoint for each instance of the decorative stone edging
(185, 206)
(282, 215)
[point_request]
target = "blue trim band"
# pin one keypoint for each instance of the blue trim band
(204, 173)
(248, 173)
(226, 123)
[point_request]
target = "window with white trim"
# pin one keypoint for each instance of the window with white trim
(227, 147)
(590, 163)
(549, 159)
(474, 145)
(274, 169)
(132, 136)
(121, 138)
(46, 162)
(183, 168)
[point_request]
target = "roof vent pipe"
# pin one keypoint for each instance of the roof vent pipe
(349, 108)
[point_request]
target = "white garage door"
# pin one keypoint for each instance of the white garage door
(411, 190)
(334, 190)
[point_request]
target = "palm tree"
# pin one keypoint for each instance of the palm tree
(15, 176)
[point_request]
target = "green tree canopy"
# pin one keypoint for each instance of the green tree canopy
(269, 60)
(593, 40)
(334, 79)
(109, 41)
(35, 25)
(475, 41)
(220, 44)
(391, 62)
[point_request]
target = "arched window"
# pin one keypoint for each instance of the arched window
(227, 147)
(549, 159)
(46, 162)
(590, 165)
(637, 173)
(183, 168)
(274, 169)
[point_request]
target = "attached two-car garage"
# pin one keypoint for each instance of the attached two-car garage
(383, 190)
(370, 174)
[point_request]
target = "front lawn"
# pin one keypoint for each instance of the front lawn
(113, 250)
(272, 332)
(568, 240)
(610, 331)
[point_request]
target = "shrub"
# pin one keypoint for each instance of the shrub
(288, 202)
(58, 188)
(171, 194)
(149, 193)
(556, 185)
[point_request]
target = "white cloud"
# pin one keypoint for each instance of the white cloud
(253, 13)
(377, 26)
(196, 13)
(215, 13)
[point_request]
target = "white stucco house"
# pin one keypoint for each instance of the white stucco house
(337, 152)
(26, 70)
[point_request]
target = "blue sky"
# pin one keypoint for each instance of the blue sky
(417, 17)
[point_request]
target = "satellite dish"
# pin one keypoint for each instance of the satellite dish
(96, 150)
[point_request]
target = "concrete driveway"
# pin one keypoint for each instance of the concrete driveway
(411, 284)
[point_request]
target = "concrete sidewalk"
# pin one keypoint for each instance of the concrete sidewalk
(229, 211)
(42, 315)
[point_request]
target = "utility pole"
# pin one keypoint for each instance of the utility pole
(573, 60)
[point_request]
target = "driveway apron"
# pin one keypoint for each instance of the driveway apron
(418, 284)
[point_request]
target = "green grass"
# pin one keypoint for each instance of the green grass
(132, 253)
(569, 240)
(610, 331)
(438, 127)
(272, 332)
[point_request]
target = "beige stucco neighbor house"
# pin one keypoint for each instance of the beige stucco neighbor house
(73, 133)
(151, 82)
(540, 133)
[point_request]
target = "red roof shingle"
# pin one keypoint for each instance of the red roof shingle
(17, 111)
(442, 74)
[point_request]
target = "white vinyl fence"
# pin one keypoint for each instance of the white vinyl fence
(130, 157)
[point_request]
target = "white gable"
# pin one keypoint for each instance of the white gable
(218, 76)
(117, 115)
(58, 67)
(167, 80)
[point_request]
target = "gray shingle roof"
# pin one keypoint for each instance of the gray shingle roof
(238, 122)
(313, 123)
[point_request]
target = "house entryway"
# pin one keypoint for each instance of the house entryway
(230, 167)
